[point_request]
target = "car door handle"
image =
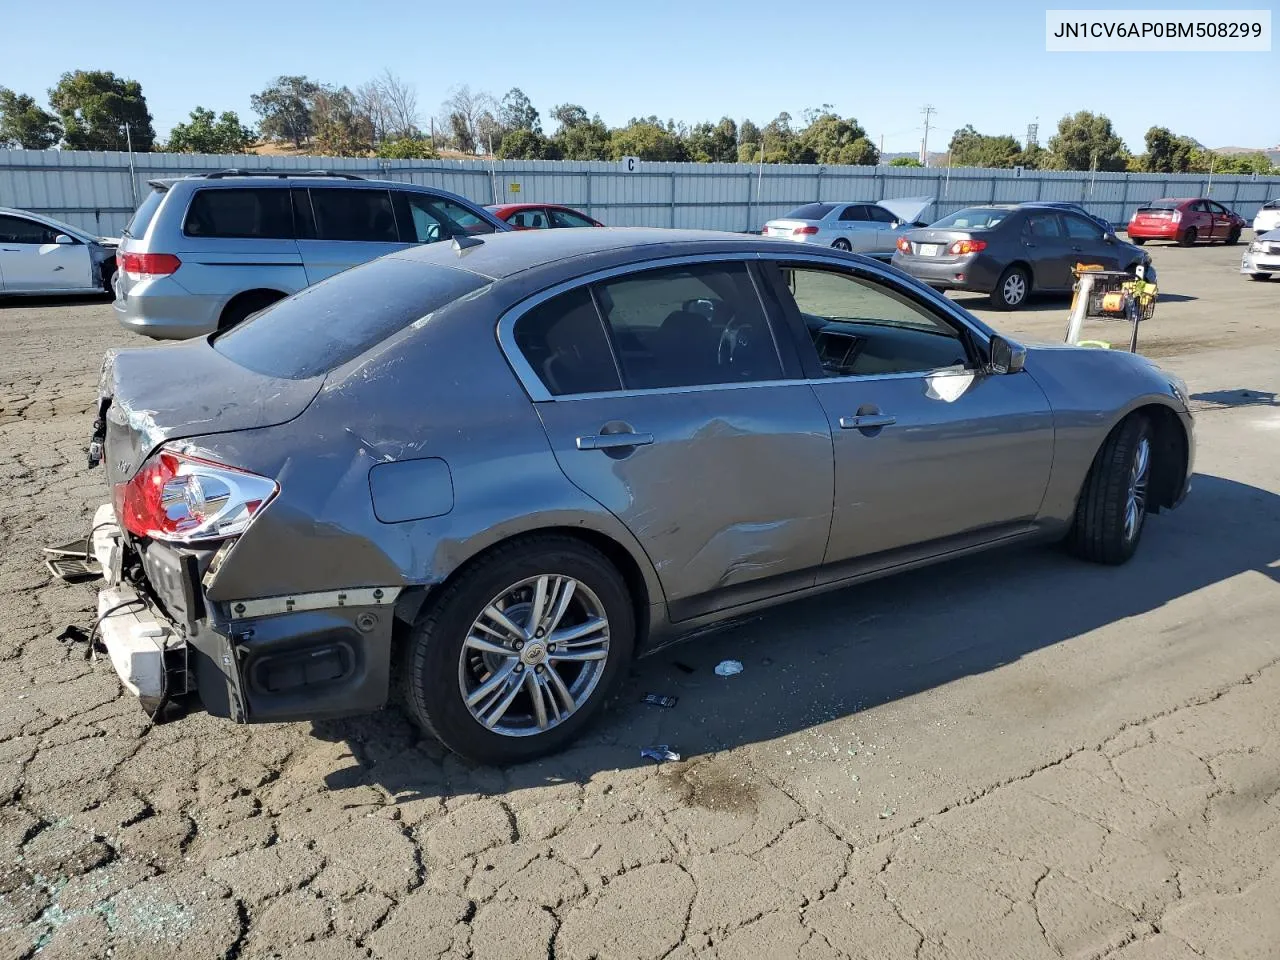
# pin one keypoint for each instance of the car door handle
(614, 441)
(10, 250)
(867, 422)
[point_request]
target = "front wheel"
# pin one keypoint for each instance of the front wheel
(842, 244)
(1188, 238)
(1138, 241)
(1112, 508)
(1233, 237)
(1011, 289)
(519, 652)
(1260, 276)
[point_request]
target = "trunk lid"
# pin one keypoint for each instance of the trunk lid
(785, 228)
(907, 209)
(156, 394)
(927, 242)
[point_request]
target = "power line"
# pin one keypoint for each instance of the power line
(928, 111)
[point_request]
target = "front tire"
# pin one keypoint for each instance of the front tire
(519, 652)
(1012, 289)
(1138, 241)
(1112, 508)
(1233, 237)
(1188, 239)
(842, 244)
(1260, 276)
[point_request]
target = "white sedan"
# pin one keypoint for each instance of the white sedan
(1268, 218)
(41, 255)
(1262, 257)
(868, 228)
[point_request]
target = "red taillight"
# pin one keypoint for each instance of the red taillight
(904, 245)
(804, 231)
(180, 498)
(1177, 216)
(961, 247)
(140, 265)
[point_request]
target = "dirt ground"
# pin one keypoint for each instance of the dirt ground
(1012, 756)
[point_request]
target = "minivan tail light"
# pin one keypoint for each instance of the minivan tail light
(179, 498)
(807, 231)
(141, 265)
(962, 247)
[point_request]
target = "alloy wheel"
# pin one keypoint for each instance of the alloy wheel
(1136, 502)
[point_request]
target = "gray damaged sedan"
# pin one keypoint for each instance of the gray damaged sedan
(487, 474)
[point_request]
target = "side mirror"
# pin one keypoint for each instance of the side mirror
(1110, 237)
(62, 239)
(1006, 356)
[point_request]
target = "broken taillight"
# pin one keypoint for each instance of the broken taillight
(180, 498)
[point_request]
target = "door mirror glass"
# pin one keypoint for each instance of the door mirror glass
(1006, 356)
(63, 239)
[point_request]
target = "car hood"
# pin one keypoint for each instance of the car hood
(907, 209)
(157, 394)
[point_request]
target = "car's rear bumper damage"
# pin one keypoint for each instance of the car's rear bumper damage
(303, 657)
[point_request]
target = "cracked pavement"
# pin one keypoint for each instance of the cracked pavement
(1011, 756)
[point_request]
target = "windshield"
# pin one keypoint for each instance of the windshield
(141, 219)
(810, 211)
(324, 326)
(972, 218)
(1160, 205)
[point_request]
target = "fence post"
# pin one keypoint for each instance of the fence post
(673, 199)
(586, 174)
(1124, 199)
(818, 195)
(750, 206)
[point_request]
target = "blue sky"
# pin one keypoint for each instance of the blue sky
(982, 63)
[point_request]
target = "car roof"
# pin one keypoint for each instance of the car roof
(497, 256)
(292, 178)
(513, 207)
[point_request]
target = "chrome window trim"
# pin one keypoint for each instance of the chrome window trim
(538, 393)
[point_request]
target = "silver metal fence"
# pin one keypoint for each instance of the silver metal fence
(96, 190)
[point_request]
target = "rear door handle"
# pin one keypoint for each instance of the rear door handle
(614, 441)
(867, 422)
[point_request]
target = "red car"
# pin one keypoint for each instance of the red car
(540, 216)
(1185, 220)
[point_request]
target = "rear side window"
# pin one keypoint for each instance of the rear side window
(810, 211)
(248, 214)
(324, 326)
(1042, 225)
(360, 215)
(141, 219)
(565, 344)
(855, 212)
(567, 218)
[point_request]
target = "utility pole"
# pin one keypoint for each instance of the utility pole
(882, 145)
(928, 111)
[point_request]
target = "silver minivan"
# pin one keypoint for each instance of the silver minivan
(202, 253)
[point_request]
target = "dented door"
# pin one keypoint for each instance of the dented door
(728, 488)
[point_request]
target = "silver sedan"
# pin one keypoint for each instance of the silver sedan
(867, 228)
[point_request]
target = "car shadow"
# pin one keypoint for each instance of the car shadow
(1175, 298)
(11, 301)
(821, 659)
(1218, 399)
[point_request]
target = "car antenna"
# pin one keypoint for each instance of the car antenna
(462, 244)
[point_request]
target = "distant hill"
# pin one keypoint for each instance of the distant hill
(1273, 153)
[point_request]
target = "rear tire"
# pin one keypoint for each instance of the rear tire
(1233, 237)
(1012, 289)
(1112, 508)
(842, 244)
(439, 663)
(242, 307)
(1138, 241)
(1188, 238)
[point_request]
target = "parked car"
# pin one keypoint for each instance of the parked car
(867, 228)
(1078, 208)
(540, 216)
(1185, 220)
(1011, 252)
(1268, 218)
(561, 468)
(202, 253)
(39, 254)
(1262, 256)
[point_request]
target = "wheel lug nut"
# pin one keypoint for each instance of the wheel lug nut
(519, 668)
(540, 668)
(551, 648)
(519, 644)
(538, 633)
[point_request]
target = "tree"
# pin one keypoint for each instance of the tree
(462, 111)
(969, 148)
(24, 124)
(285, 108)
(489, 132)
(905, 162)
(401, 103)
(830, 138)
(516, 112)
(1167, 152)
(1086, 141)
(339, 130)
(527, 145)
(647, 139)
(407, 148)
(713, 143)
(206, 133)
(372, 105)
(749, 138)
(580, 137)
(1033, 157)
(95, 106)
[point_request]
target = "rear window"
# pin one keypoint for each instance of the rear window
(322, 327)
(810, 211)
(257, 214)
(972, 218)
(141, 219)
(1272, 204)
(1159, 205)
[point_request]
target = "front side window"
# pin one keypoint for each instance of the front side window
(1219, 209)
(1078, 228)
(262, 214)
(862, 327)
(427, 219)
(22, 230)
(352, 214)
(564, 343)
(567, 218)
(529, 219)
(689, 326)
(880, 215)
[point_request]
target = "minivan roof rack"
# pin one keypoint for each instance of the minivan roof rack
(283, 174)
